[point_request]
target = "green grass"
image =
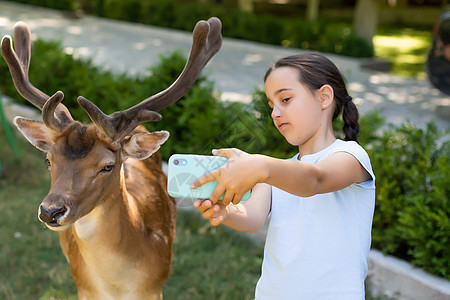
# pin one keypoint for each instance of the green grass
(209, 262)
(212, 262)
(405, 48)
(31, 263)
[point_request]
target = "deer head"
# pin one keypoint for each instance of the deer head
(85, 161)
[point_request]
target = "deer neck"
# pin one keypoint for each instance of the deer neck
(106, 251)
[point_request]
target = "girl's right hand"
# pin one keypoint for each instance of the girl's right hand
(215, 213)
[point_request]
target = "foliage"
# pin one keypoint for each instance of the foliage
(74, 78)
(412, 218)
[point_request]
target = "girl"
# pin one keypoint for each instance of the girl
(321, 201)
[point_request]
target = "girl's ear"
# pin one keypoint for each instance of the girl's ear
(326, 96)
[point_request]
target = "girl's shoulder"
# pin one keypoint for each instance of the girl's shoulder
(338, 145)
(351, 147)
(357, 151)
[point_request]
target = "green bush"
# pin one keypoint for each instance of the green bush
(111, 92)
(412, 218)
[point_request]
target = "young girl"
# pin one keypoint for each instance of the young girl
(321, 201)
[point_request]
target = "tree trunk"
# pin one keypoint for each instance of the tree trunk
(365, 19)
(245, 5)
(312, 10)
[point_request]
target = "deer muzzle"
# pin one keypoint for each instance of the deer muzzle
(51, 216)
(52, 213)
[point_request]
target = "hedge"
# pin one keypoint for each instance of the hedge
(323, 35)
(412, 217)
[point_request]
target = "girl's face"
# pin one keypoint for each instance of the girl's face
(296, 110)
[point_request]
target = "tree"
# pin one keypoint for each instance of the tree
(365, 19)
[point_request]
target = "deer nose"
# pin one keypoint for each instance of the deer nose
(51, 215)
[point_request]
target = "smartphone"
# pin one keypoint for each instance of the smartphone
(184, 169)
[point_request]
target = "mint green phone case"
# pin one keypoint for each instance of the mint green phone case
(185, 168)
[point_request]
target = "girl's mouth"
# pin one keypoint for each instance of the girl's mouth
(282, 125)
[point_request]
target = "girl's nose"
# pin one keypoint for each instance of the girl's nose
(276, 112)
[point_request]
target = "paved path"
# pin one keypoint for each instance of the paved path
(237, 69)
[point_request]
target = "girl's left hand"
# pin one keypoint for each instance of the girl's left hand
(237, 176)
(215, 213)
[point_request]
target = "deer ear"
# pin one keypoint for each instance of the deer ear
(142, 145)
(35, 132)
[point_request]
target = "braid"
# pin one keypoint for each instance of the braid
(350, 116)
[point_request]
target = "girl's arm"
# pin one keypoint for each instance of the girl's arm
(243, 171)
(334, 173)
(248, 216)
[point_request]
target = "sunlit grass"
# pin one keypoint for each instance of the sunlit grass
(405, 48)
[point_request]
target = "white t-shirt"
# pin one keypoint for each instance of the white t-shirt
(317, 247)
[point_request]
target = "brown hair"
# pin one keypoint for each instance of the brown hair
(316, 70)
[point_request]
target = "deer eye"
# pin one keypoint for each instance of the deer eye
(107, 169)
(47, 162)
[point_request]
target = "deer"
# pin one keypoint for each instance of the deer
(108, 197)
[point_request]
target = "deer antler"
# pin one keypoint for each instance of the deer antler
(19, 63)
(207, 40)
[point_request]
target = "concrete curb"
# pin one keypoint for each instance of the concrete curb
(395, 278)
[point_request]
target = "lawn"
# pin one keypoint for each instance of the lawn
(405, 48)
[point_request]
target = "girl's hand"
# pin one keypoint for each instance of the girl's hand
(215, 213)
(237, 176)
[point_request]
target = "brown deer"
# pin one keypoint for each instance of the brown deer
(108, 197)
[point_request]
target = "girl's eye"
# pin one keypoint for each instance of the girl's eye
(286, 99)
(107, 169)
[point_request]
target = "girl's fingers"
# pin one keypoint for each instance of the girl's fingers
(197, 203)
(216, 221)
(209, 213)
(237, 198)
(222, 152)
(205, 179)
(228, 153)
(227, 198)
(217, 193)
(202, 205)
